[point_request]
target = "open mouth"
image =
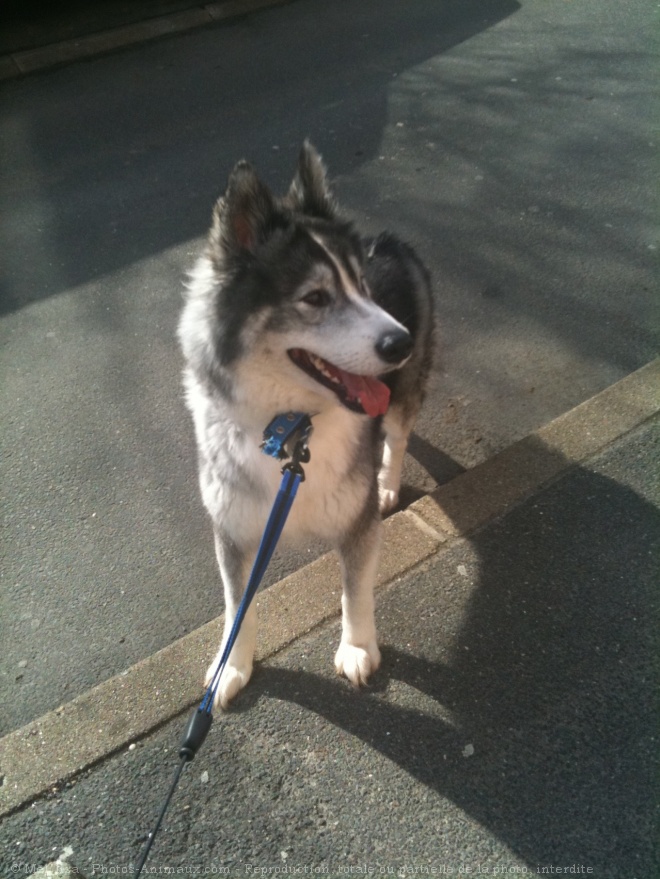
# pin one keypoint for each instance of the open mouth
(362, 393)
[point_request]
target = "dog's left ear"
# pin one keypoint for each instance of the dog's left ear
(309, 192)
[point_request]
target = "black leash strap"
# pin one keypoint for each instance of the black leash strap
(152, 835)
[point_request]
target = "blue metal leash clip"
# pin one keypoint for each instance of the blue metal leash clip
(282, 429)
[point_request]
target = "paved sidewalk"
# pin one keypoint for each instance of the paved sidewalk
(35, 36)
(513, 725)
(31, 24)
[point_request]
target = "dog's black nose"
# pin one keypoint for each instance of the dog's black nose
(394, 347)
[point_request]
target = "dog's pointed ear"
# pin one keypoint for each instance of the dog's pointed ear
(309, 192)
(243, 216)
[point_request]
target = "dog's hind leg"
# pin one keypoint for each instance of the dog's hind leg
(235, 566)
(358, 655)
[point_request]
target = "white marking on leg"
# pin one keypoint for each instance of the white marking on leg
(238, 670)
(358, 655)
(394, 450)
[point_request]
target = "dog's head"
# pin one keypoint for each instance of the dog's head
(291, 292)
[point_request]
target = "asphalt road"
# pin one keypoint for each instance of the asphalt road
(511, 729)
(512, 143)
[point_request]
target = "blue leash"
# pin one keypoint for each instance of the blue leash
(290, 429)
(276, 435)
(271, 535)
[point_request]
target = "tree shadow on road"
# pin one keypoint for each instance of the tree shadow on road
(133, 165)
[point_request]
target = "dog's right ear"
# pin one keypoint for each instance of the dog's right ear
(243, 216)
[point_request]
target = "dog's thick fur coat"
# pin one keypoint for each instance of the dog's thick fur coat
(289, 310)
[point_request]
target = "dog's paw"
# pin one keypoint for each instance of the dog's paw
(388, 498)
(232, 682)
(357, 663)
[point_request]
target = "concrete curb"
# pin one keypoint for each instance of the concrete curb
(476, 497)
(32, 60)
(38, 757)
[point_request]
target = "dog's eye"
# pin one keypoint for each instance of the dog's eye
(317, 298)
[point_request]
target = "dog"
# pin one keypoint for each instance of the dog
(288, 309)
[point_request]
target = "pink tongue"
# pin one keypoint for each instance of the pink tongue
(374, 396)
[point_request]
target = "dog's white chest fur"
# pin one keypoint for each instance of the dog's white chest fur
(239, 482)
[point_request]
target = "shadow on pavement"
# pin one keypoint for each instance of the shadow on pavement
(133, 164)
(550, 677)
(26, 24)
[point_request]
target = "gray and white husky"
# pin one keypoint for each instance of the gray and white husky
(289, 309)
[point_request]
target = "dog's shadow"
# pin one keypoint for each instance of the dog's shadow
(440, 466)
(548, 679)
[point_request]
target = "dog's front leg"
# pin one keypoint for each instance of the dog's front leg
(397, 429)
(358, 655)
(235, 565)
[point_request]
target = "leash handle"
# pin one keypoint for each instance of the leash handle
(198, 727)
